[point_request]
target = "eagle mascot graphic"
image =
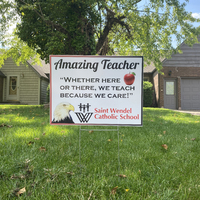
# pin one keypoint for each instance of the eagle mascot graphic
(62, 113)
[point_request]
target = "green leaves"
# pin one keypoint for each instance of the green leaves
(20, 52)
(98, 27)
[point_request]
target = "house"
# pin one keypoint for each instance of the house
(24, 84)
(179, 86)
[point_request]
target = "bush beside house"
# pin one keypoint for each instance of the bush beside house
(147, 94)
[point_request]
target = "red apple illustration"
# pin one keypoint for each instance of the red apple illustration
(129, 78)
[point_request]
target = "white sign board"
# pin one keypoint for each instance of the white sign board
(96, 90)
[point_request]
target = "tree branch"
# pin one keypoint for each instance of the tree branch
(48, 22)
(111, 20)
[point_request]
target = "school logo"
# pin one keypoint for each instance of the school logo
(84, 115)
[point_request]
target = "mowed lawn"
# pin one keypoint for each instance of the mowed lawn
(160, 160)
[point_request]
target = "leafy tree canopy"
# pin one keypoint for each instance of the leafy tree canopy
(100, 27)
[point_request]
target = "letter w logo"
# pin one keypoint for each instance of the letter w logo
(84, 117)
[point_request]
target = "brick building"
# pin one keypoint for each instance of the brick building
(179, 86)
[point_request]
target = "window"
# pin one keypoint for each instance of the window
(169, 87)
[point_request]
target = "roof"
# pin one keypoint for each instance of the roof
(188, 58)
(149, 68)
(41, 70)
(1, 74)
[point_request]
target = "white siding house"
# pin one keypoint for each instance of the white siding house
(24, 84)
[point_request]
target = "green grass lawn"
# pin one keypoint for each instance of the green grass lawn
(160, 160)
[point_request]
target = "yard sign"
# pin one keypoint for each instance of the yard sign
(96, 90)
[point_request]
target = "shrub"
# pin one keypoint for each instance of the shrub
(147, 94)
